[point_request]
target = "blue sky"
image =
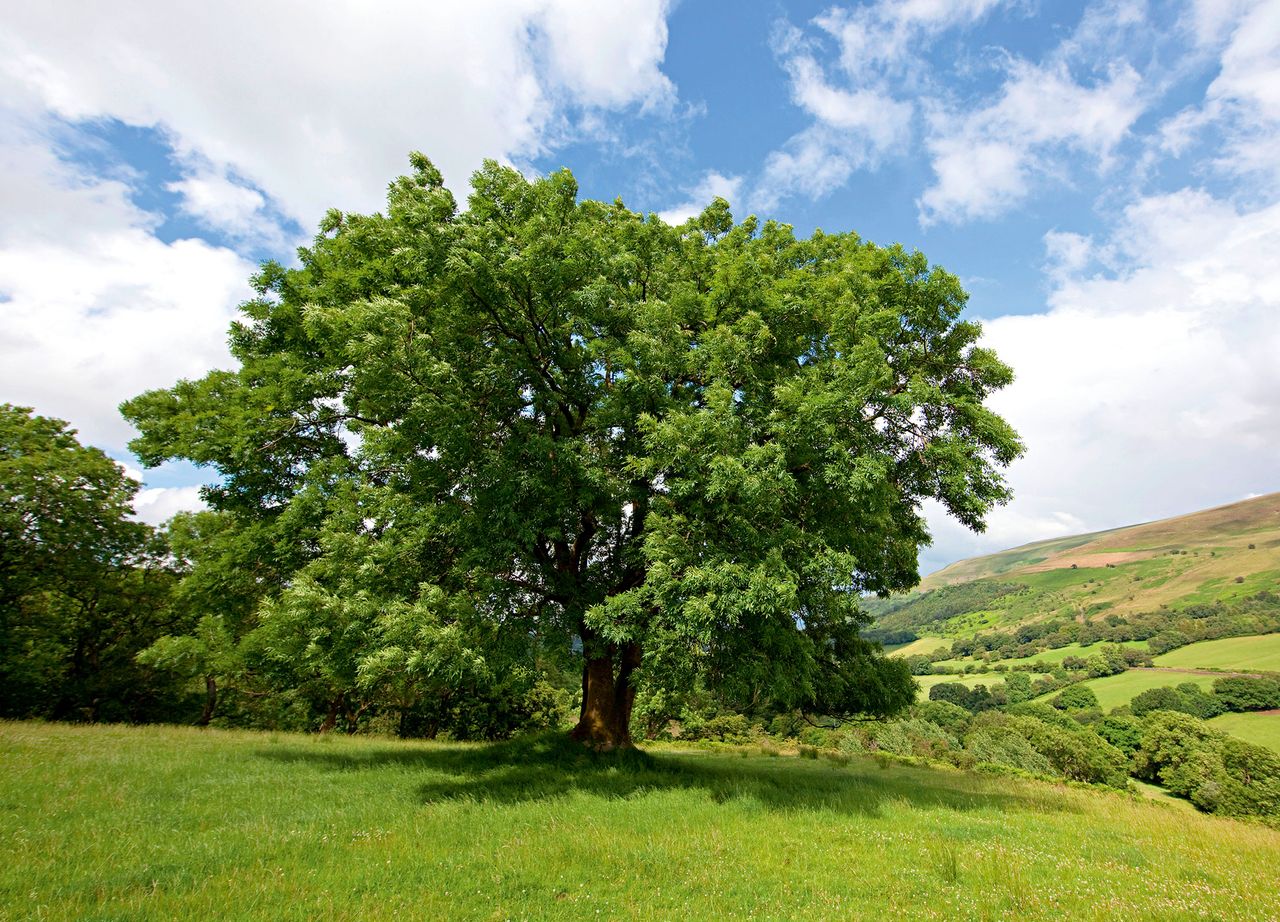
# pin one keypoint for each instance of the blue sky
(1104, 177)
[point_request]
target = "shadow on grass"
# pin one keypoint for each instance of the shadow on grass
(552, 766)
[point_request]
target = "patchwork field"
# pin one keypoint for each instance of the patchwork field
(1224, 554)
(1049, 657)
(159, 823)
(1240, 654)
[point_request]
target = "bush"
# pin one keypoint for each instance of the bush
(914, 737)
(1187, 698)
(1002, 745)
(950, 717)
(1077, 754)
(1247, 693)
(1074, 698)
(1217, 773)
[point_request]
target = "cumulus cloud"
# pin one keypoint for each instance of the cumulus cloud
(713, 185)
(325, 118)
(157, 505)
(986, 160)
(94, 307)
(1148, 391)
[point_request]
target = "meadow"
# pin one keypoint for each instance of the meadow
(165, 823)
(969, 680)
(1239, 654)
(1115, 690)
(1263, 729)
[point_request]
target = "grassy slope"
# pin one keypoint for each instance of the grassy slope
(1233, 653)
(1185, 560)
(161, 823)
(1262, 729)
(1115, 690)
(989, 679)
(1052, 657)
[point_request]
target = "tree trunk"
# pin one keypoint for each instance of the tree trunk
(604, 723)
(331, 718)
(210, 701)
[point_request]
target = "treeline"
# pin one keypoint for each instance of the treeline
(1164, 630)
(103, 618)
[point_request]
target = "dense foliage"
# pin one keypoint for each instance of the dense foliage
(83, 586)
(457, 440)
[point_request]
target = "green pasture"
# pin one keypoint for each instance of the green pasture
(1259, 652)
(1115, 690)
(179, 824)
(1050, 657)
(921, 646)
(1262, 729)
(989, 679)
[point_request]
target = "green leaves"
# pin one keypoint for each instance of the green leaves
(570, 419)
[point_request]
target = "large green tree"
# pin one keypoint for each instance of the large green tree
(686, 450)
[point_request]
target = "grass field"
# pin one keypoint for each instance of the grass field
(988, 679)
(919, 646)
(1052, 657)
(1115, 690)
(158, 823)
(1262, 729)
(1242, 654)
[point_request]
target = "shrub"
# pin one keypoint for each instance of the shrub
(1002, 745)
(914, 736)
(1077, 754)
(1247, 693)
(1075, 697)
(950, 717)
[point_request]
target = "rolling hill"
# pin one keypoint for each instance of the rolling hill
(1222, 554)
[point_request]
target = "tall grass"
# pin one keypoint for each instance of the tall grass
(163, 823)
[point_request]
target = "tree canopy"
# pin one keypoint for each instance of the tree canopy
(82, 584)
(684, 452)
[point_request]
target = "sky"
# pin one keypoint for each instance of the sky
(1104, 178)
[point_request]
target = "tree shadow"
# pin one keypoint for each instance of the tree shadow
(551, 766)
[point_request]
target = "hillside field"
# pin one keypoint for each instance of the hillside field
(1216, 555)
(1239, 654)
(1115, 690)
(1262, 729)
(164, 823)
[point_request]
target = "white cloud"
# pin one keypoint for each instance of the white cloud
(713, 185)
(326, 117)
(271, 114)
(1148, 392)
(986, 160)
(96, 308)
(214, 199)
(159, 504)
(890, 33)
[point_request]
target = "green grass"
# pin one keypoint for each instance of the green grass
(1242, 654)
(1262, 729)
(155, 823)
(989, 679)
(1115, 690)
(1050, 657)
(919, 646)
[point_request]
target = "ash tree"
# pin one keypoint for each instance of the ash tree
(685, 451)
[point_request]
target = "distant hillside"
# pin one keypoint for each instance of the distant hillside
(1223, 553)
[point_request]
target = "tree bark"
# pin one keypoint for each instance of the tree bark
(604, 723)
(210, 701)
